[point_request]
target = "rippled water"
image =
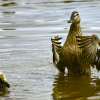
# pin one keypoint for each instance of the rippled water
(26, 27)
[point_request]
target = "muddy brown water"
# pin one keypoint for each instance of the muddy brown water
(26, 27)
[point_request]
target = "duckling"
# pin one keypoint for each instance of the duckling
(69, 55)
(4, 85)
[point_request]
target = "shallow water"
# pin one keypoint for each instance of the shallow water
(26, 27)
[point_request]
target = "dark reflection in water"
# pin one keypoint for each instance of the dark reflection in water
(70, 1)
(76, 88)
(8, 29)
(8, 4)
(4, 93)
(8, 12)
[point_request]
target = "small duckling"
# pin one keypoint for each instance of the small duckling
(4, 85)
(8, 4)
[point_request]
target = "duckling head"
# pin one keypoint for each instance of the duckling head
(3, 82)
(75, 17)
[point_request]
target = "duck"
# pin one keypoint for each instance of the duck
(4, 85)
(78, 53)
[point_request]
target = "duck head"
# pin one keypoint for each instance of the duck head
(75, 18)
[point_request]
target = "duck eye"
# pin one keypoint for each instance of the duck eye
(76, 14)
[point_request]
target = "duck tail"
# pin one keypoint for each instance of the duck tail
(56, 48)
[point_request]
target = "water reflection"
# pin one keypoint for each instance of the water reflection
(4, 93)
(75, 88)
(8, 12)
(70, 1)
(8, 29)
(8, 4)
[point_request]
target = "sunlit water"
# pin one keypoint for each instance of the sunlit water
(26, 27)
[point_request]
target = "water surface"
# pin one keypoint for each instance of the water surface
(26, 27)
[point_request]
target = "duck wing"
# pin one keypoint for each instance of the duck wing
(89, 46)
(56, 48)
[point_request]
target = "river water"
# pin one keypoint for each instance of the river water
(26, 27)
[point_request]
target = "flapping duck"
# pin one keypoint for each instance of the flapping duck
(79, 53)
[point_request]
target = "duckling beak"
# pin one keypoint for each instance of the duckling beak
(5, 83)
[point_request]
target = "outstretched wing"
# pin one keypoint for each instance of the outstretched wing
(56, 48)
(88, 45)
(97, 62)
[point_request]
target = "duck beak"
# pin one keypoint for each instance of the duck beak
(69, 21)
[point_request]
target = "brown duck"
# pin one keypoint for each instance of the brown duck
(79, 52)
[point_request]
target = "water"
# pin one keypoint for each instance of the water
(26, 27)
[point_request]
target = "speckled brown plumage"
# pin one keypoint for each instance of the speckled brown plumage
(74, 54)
